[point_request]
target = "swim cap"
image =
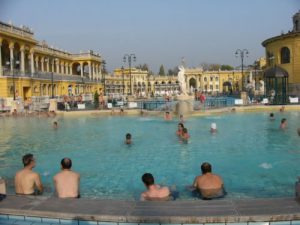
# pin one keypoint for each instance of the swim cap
(213, 126)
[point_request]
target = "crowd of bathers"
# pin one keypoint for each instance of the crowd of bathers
(207, 185)
(67, 182)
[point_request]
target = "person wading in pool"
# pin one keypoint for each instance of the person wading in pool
(180, 129)
(154, 191)
(27, 181)
(67, 182)
(209, 185)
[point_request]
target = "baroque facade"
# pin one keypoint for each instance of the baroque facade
(283, 52)
(212, 82)
(32, 68)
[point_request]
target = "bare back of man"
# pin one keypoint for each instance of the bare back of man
(67, 184)
(26, 180)
(209, 185)
(155, 192)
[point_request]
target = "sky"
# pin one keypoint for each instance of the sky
(158, 32)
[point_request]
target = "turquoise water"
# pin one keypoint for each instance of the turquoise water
(253, 156)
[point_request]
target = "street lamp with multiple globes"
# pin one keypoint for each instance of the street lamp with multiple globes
(242, 54)
(129, 58)
(13, 62)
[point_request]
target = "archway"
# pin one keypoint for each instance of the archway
(192, 84)
(85, 69)
(76, 70)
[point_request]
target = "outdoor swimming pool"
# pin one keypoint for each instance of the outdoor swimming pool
(253, 156)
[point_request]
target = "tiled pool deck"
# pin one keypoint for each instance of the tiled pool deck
(21, 210)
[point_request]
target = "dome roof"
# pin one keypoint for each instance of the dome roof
(276, 72)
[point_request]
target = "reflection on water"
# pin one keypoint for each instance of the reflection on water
(253, 156)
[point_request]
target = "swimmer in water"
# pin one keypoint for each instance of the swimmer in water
(213, 128)
(283, 124)
(128, 140)
(168, 116)
(180, 129)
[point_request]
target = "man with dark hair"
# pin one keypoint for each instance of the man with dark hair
(66, 182)
(209, 185)
(154, 191)
(283, 124)
(26, 180)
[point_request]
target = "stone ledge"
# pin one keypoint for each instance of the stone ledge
(218, 211)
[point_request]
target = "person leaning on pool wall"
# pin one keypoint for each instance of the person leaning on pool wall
(208, 185)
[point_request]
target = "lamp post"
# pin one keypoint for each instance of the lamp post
(123, 79)
(242, 54)
(13, 62)
(129, 58)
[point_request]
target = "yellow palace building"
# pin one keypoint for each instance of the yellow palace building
(283, 62)
(32, 68)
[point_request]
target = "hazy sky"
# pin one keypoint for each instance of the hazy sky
(157, 31)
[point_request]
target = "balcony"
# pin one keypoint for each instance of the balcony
(23, 31)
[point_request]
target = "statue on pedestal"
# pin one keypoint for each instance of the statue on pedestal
(181, 79)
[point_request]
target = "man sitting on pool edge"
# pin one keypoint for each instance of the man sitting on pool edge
(209, 185)
(66, 182)
(27, 180)
(154, 191)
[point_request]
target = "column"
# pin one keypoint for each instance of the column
(81, 69)
(1, 70)
(100, 72)
(70, 69)
(48, 62)
(62, 68)
(42, 62)
(97, 72)
(22, 49)
(57, 65)
(37, 63)
(32, 62)
(11, 51)
(90, 70)
(94, 72)
(66, 68)
(52, 65)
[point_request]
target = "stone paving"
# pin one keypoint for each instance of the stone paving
(176, 212)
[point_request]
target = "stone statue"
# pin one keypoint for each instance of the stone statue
(181, 80)
(261, 86)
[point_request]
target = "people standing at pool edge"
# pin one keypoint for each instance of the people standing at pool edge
(283, 124)
(66, 182)
(209, 185)
(154, 191)
(28, 182)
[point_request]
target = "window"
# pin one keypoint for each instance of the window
(217, 78)
(211, 78)
(205, 79)
(285, 55)
(217, 87)
(211, 87)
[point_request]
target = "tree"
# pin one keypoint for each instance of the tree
(170, 72)
(143, 67)
(226, 67)
(161, 71)
(104, 71)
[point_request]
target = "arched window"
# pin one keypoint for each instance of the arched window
(285, 55)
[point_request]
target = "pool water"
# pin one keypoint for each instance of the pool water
(254, 157)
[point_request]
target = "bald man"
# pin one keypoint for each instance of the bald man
(67, 182)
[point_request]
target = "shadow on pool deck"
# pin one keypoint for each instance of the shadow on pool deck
(215, 211)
